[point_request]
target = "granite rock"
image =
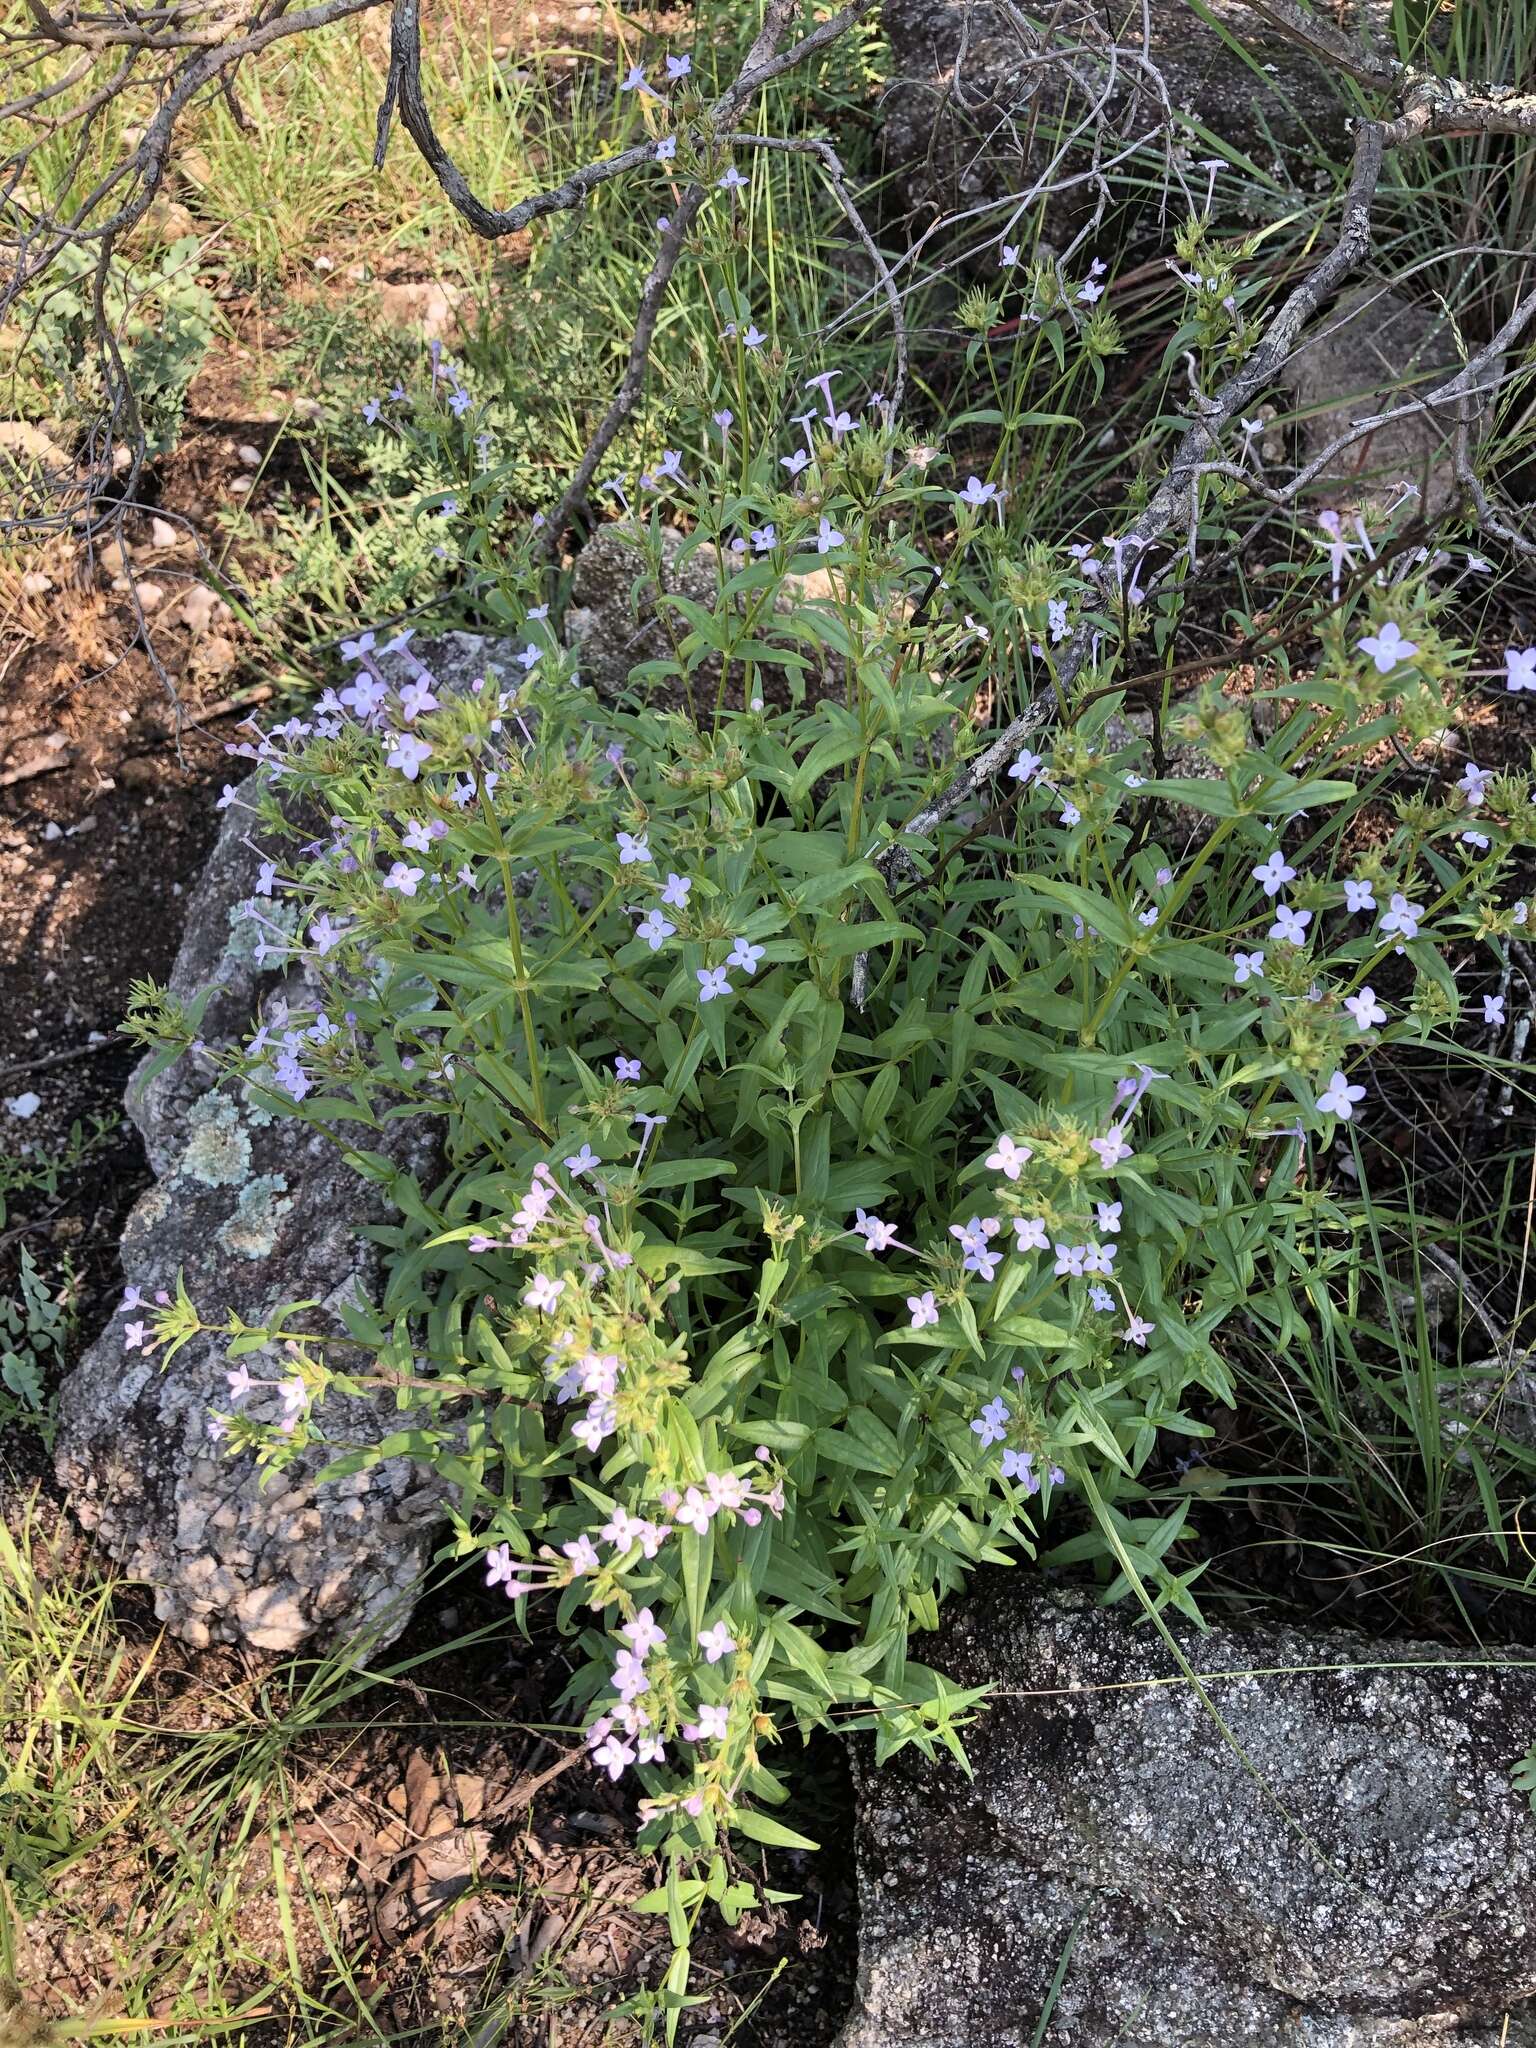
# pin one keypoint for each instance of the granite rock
(980, 90)
(1363, 1876)
(1369, 355)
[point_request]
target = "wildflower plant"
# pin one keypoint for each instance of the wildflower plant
(814, 1224)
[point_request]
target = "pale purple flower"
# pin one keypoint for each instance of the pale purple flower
(1009, 1158)
(716, 1642)
(1401, 916)
(676, 892)
(634, 850)
(712, 983)
(1030, 1233)
(1388, 647)
(1365, 1009)
(1493, 1009)
(1339, 1097)
(642, 1633)
(1358, 893)
(654, 929)
(1027, 767)
(1111, 1148)
(582, 1162)
(1520, 668)
(1290, 925)
(408, 754)
(976, 492)
(1273, 874)
(544, 1292)
(626, 1069)
(827, 538)
(991, 1424)
(924, 1309)
(745, 955)
(403, 878)
(1245, 966)
(1138, 1330)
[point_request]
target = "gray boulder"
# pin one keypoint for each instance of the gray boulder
(252, 1212)
(1371, 354)
(1362, 1876)
(981, 91)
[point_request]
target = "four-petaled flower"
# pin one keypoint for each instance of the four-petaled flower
(582, 1161)
(1027, 767)
(716, 1642)
(712, 983)
(1245, 966)
(1388, 647)
(976, 492)
(1030, 1232)
(403, 878)
(1273, 874)
(1520, 668)
(654, 929)
(1009, 1157)
(626, 1069)
(676, 891)
(633, 849)
(827, 538)
(1138, 1330)
(1493, 1009)
(1401, 916)
(924, 1309)
(544, 1293)
(991, 1424)
(1365, 1009)
(1339, 1097)
(745, 955)
(1290, 926)
(1358, 893)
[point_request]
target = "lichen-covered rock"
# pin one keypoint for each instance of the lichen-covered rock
(1361, 1875)
(1369, 356)
(252, 1212)
(983, 93)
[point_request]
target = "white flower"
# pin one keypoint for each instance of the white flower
(1520, 668)
(1493, 1009)
(976, 492)
(1245, 966)
(1365, 1009)
(633, 849)
(1339, 1098)
(544, 1293)
(1030, 1232)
